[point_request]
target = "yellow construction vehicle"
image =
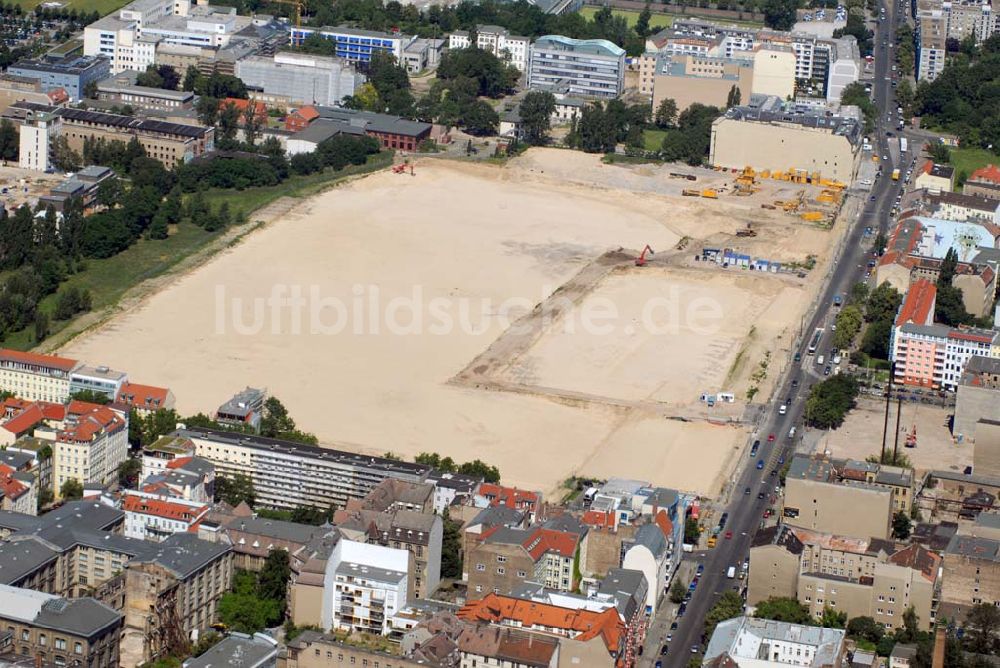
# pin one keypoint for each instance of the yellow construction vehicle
(708, 193)
(812, 216)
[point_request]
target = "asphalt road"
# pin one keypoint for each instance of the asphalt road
(746, 510)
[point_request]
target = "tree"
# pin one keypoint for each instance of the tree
(91, 397)
(875, 342)
(939, 153)
(9, 140)
(677, 591)
(481, 119)
(901, 525)
(242, 610)
(666, 113)
(128, 473)
(830, 400)
(71, 489)
(275, 422)
(642, 23)
(730, 605)
(479, 469)
(783, 609)
(536, 112)
(235, 490)
(205, 642)
(849, 321)
(982, 629)
(865, 628)
(149, 78)
(272, 583)
(780, 14)
(41, 326)
(192, 77)
(253, 124)
(882, 304)
(451, 548)
(64, 158)
(833, 619)
(735, 97)
(691, 531)
(208, 110)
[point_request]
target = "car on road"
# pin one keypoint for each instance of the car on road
(760, 495)
(673, 627)
(767, 513)
(729, 534)
(760, 464)
(770, 438)
(659, 664)
(782, 409)
(798, 356)
(826, 371)
(701, 569)
(746, 492)
(872, 198)
(774, 472)
(664, 650)
(670, 637)
(795, 382)
(681, 610)
(781, 459)
(694, 649)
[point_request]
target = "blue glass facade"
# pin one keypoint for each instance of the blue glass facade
(353, 47)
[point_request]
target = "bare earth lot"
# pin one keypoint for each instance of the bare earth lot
(406, 280)
(861, 435)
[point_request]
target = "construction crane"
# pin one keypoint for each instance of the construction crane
(297, 4)
(641, 260)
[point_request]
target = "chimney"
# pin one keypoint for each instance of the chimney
(937, 661)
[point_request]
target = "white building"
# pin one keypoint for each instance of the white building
(589, 67)
(761, 643)
(99, 379)
(130, 36)
(157, 455)
(509, 48)
(932, 31)
(648, 554)
(364, 586)
(300, 78)
(155, 518)
(35, 141)
(90, 447)
(36, 377)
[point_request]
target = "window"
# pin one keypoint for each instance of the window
(501, 570)
(480, 567)
(42, 640)
(77, 648)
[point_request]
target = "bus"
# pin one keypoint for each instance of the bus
(814, 343)
(902, 144)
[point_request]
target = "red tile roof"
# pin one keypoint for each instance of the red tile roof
(666, 526)
(598, 519)
(143, 396)
(92, 421)
(34, 359)
(23, 419)
(12, 489)
(918, 305)
(581, 625)
(162, 508)
(989, 173)
(542, 541)
(510, 497)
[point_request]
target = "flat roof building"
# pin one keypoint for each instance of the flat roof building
(585, 67)
(72, 74)
(757, 643)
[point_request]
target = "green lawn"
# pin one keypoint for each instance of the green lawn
(660, 20)
(653, 139)
(110, 278)
(968, 160)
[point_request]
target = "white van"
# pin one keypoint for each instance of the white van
(782, 409)
(791, 433)
(819, 361)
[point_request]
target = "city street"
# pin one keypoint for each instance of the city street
(776, 442)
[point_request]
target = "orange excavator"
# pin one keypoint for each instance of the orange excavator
(641, 260)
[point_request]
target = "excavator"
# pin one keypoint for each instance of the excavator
(641, 260)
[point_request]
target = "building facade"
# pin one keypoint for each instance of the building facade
(355, 45)
(36, 377)
(301, 78)
(509, 48)
(590, 68)
(73, 74)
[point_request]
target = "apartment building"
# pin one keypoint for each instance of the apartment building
(603, 630)
(971, 573)
(451, 489)
(161, 452)
(300, 78)
(977, 397)
(36, 377)
(767, 133)
(961, 207)
(72, 74)
(862, 577)
(173, 593)
(939, 178)
(747, 642)
(253, 538)
(503, 558)
(145, 399)
(257, 651)
(688, 79)
(509, 48)
(312, 649)
(353, 44)
(984, 182)
(817, 497)
(19, 490)
(155, 518)
(52, 630)
(588, 67)
(90, 446)
(287, 474)
(932, 37)
(369, 586)
(935, 356)
(188, 478)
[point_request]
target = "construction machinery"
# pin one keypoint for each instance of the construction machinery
(641, 260)
(297, 4)
(747, 231)
(911, 438)
(708, 193)
(689, 192)
(812, 216)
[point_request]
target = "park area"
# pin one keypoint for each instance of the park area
(660, 20)
(407, 313)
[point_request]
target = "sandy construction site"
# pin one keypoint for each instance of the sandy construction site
(490, 312)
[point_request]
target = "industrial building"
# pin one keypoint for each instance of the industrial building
(769, 134)
(72, 74)
(586, 67)
(143, 97)
(300, 78)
